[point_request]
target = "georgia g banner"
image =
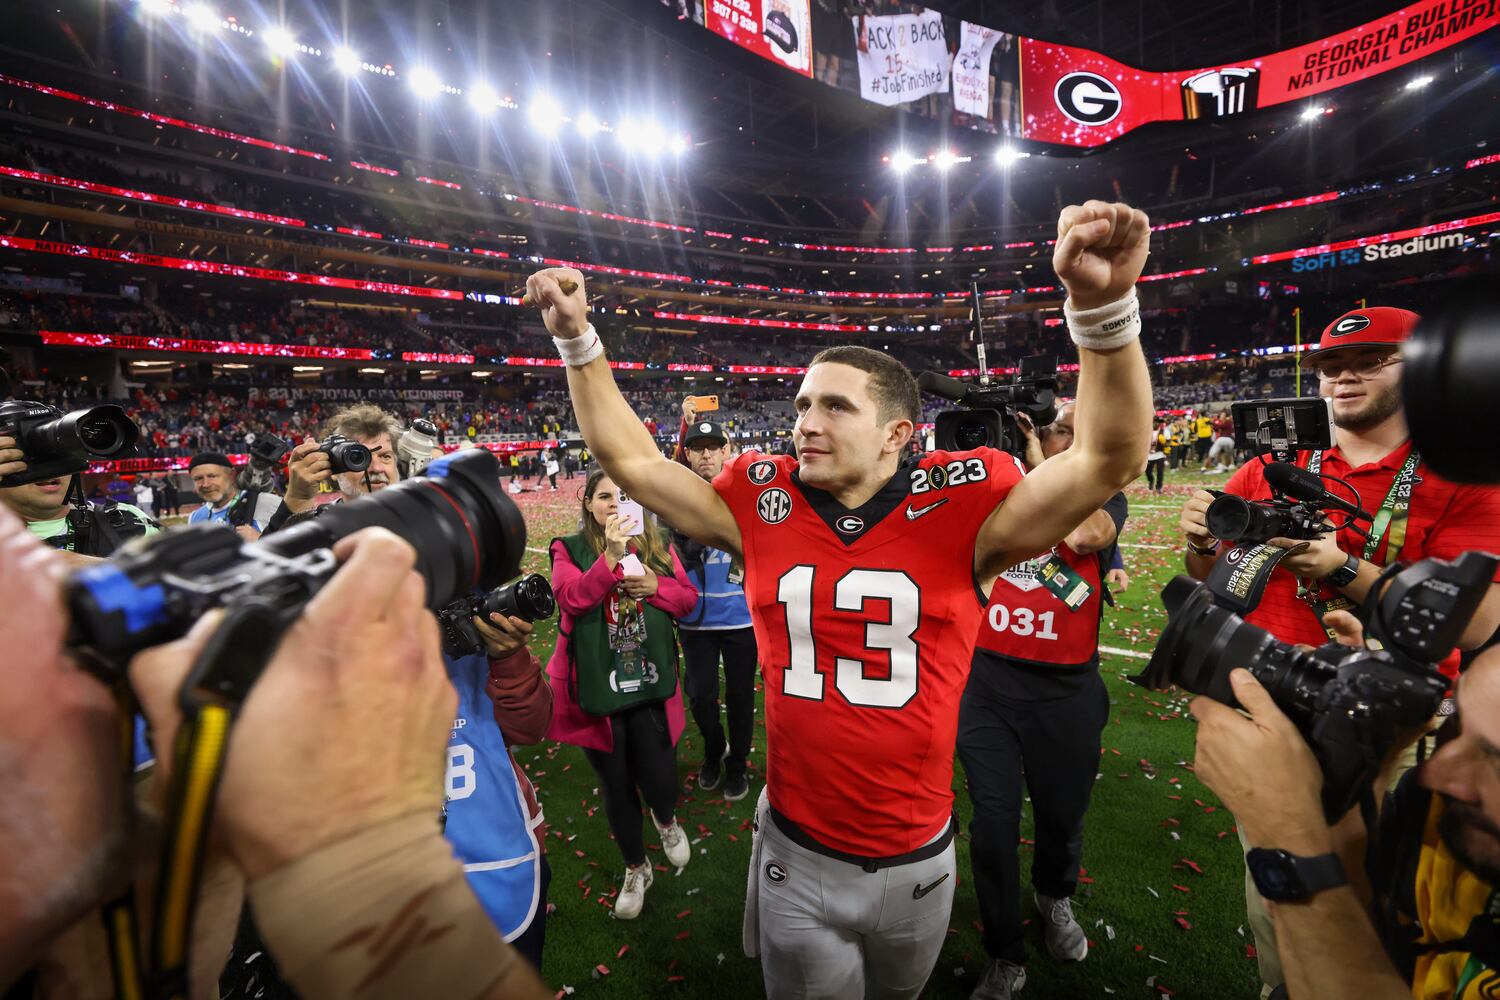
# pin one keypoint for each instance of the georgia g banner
(1078, 97)
(778, 30)
(901, 56)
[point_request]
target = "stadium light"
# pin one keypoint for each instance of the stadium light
(280, 41)
(1007, 155)
(156, 6)
(347, 61)
(1418, 83)
(1313, 112)
(482, 98)
(588, 124)
(544, 113)
(424, 82)
(901, 161)
(201, 17)
(944, 160)
(644, 137)
(681, 145)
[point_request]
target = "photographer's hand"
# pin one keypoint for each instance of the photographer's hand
(12, 458)
(616, 540)
(1034, 455)
(1262, 769)
(689, 411)
(1316, 557)
(307, 468)
(1194, 520)
(345, 728)
(502, 634)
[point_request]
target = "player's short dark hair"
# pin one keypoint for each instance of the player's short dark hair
(891, 385)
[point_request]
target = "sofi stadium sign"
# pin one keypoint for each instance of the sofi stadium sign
(1383, 251)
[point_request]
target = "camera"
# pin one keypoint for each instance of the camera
(61, 444)
(414, 447)
(1348, 703)
(529, 598)
(987, 417)
(267, 448)
(344, 454)
(468, 536)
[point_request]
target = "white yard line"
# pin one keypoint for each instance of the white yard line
(1135, 654)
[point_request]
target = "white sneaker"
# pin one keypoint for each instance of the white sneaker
(633, 893)
(674, 842)
(1001, 981)
(1065, 939)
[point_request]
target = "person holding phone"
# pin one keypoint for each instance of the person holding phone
(620, 586)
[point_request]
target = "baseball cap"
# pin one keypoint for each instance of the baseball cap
(705, 429)
(1378, 325)
(210, 458)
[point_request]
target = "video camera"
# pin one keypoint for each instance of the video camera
(266, 452)
(529, 598)
(1299, 500)
(988, 413)
(1348, 703)
(61, 444)
(468, 536)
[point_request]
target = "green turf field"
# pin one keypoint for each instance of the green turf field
(1162, 901)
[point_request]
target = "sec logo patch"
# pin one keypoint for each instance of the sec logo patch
(761, 473)
(774, 505)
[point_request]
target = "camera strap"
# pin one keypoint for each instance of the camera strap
(1392, 518)
(1238, 580)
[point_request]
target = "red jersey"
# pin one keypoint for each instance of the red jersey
(1444, 521)
(865, 621)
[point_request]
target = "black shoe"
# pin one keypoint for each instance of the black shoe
(736, 787)
(710, 774)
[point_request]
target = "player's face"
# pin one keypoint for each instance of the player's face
(382, 471)
(1466, 771)
(1362, 403)
(213, 482)
(43, 501)
(1059, 433)
(839, 437)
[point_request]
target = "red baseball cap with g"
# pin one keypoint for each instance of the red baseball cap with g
(1381, 326)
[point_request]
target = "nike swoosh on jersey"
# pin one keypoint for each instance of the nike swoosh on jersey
(913, 513)
(922, 890)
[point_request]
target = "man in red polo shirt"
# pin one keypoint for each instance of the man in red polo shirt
(1418, 514)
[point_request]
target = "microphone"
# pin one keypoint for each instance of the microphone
(943, 385)
(1299, 484)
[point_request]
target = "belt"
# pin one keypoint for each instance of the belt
(803, 839)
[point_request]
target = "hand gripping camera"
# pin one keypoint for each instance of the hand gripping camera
(61, 444)
(529, 598)
(1348, 703)
(468, 535)
(344, 454)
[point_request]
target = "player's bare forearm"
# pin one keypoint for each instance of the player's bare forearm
(1112, 425)
(626, 452)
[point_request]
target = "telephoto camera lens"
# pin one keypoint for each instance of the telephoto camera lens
(100, 431)
(1234, 519)
(345, 455)
(529, 598)
(1451, 371)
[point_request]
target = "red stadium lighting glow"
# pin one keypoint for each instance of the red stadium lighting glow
(361, 165)
(225, 270)
(1483, 161)
(157, 119)
(356, 231)
(574, 209)
(62, 338)
(443, 359)
(779, 324)
(1364, 241)
(1176, 274)
(430, 244)
(440, 183)
(147, 196)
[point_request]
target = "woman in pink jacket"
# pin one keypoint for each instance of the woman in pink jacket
(614, 674)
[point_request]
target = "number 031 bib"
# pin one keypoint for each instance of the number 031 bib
(1046, 610)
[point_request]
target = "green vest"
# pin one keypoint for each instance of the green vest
(637, 668)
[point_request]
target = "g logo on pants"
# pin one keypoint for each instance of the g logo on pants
(775, 872)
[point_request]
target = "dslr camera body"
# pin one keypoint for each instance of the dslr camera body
(344, 454)
(530, 598)
(988, 410)
(1348, 703)
(61, 444)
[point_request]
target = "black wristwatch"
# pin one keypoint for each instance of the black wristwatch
(1345, 574)
(1287, 878)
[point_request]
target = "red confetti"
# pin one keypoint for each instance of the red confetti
(1181, 888)
(621, 953)
(683, 935)
(602, 969)
(685, 913)
(1193, 865)
(1183, 924)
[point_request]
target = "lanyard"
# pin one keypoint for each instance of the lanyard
(1392, 515)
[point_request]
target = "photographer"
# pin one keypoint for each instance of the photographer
(249, 511)
(55, 511)
(332, 846)
(717, 627)
(309, 467)
(1433, 863)
(614, 674)
(1033, 711)
(1417, 513)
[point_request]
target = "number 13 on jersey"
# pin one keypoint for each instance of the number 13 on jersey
(895, 637)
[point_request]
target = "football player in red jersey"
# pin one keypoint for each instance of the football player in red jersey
(861, 575)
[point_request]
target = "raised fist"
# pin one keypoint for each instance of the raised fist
(1100, 252)
(565, 314)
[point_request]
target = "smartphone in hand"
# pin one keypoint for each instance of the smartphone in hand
(630, 510)
(704, 404)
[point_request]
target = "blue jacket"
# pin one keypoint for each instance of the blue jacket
(721, 604)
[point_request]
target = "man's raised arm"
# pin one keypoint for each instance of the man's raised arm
(1101, 249)
(611, 428)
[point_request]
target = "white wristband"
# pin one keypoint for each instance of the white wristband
(1105, 327)
(579, 351)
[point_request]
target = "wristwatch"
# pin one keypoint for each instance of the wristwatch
(1205, 550)
(1345, 574)
(1286, 878)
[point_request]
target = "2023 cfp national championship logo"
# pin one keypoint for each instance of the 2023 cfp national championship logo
(774, 505)
(1088, 98)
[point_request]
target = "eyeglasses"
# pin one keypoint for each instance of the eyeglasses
(1366, 367)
